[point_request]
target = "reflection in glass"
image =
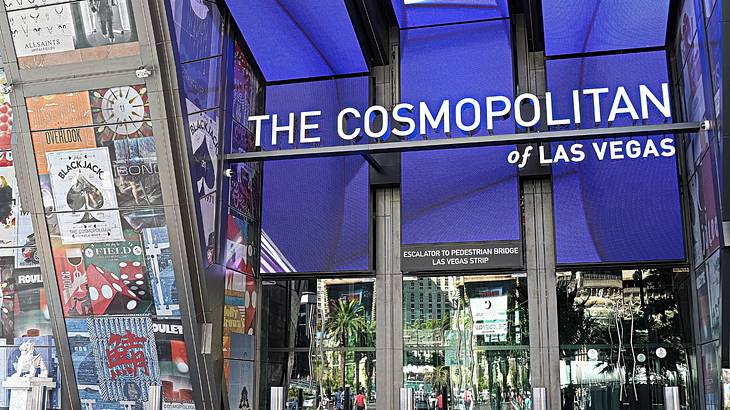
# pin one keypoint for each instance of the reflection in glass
(622, 337)
(330, 337)
(466, 341)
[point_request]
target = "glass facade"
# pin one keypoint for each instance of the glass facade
(480, 204)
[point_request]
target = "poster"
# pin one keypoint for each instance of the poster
(136, 173)
(31, 315)
(42, 30)
(102, 278)
(125, 355)
(65, 139)
(244, 183)
(203, 127)
(245, 87)
(6, 115)
(239, 377)
(240, 249)
(712, 273)
(64, 27)
(239, 314)
(490, 317)
(121, 112)
(161, 272)
(198, 29)
(84, 364)
(177, 393)
(83, 186)
(703, 304)
(709, 215)
(9, 208)
(58, 111)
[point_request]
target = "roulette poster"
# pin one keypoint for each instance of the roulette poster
(120, 112)
(177, 393)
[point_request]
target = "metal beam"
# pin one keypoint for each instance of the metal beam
(468, 142)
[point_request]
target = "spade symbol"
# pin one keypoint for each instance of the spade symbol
(88, 219)
(84, 195)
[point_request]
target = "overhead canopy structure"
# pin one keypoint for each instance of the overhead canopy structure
(419, 13)
(294, 39)
(584, 26)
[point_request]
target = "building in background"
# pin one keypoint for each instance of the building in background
(170, 216)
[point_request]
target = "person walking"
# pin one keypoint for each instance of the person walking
(360, 403)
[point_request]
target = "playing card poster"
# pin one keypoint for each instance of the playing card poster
(125, 354)
(177, 391)
(83, 185)
(203, 134)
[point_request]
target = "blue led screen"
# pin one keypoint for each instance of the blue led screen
(315, 211)
(460, 195)
(299, 39)
(327, 96)
(315, 215)
(454, 62)
(416, 13)
(614, 210)
(580, 26)
(463, 195)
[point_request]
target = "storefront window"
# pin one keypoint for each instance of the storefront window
(466, 338)
(623, 337)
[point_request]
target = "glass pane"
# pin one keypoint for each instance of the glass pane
(467, 341)
(623, 337)
(329, 339)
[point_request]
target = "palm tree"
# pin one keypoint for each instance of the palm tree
(346, 322)
(438, 378)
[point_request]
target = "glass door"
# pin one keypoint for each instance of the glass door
(466, 341)
(624, 337)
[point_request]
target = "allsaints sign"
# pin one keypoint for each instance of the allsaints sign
(527, 110)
